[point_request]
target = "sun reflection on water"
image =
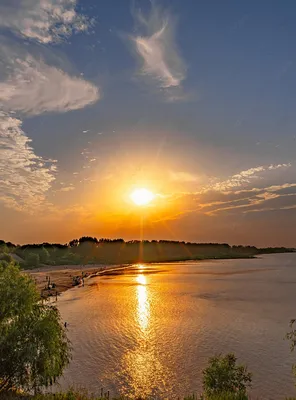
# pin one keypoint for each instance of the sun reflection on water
(140, 267)
(143, 302)
(143, 371)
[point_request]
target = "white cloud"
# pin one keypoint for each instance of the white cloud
(277, 166)
(44, 21)
(24, 176)
(243, 178)
(30, 86)
(33, 87)
(157, 50)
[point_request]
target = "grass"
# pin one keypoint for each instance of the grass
(84, 395)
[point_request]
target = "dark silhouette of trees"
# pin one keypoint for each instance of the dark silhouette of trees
(91, 250)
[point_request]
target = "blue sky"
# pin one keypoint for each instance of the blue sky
(194, 99)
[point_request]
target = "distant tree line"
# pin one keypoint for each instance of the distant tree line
(91, 250)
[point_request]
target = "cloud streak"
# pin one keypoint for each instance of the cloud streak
(243, 178)
(33, 87)
(44, 21)
(157, 50)
(235, 195)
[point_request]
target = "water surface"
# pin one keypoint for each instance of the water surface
(151, 330)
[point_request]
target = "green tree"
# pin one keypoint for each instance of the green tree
(34, 348)
(6, 257)
(223, 377)
(3, 263)
(3, 248)
(291, 336)
(32, 260)
(44, 255)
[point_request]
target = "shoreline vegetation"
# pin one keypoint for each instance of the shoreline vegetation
(57, 267)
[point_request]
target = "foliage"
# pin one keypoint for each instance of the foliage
(43, 255)
(3, 263)
(84, 395)
(226, 396)
(224, 377)
(6, 257)
(34, 348)
(71, 395)
(291, 336)
(90, 250)
(32, 260)
(3, 247)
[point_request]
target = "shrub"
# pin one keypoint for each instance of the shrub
(6, 257)
(292, 337)
(32, 260)
(34, 348)
(43, 255)
(223, 377)
(3, 264)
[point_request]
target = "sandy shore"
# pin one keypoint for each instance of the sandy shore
(62, 275)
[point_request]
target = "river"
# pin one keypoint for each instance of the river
(151, 330)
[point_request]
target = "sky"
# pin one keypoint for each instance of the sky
(193, 100)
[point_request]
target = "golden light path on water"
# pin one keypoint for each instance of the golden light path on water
(142, 364)
(143, 302)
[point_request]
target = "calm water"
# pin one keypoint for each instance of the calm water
(151, 330)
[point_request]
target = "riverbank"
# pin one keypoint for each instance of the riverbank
(61, 276)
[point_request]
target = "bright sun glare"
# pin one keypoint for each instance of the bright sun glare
(141, 197)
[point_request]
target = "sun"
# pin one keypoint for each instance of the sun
(142, 197)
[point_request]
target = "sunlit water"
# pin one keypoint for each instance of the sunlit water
(152, 330)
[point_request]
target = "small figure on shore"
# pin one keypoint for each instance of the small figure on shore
(65, 324)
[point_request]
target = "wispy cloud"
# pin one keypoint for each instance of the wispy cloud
(24, 176)
(157, 50)
(44, 21)
(33, 87)
(243, 177)
(239, 194)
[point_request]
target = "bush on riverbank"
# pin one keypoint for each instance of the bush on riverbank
(34, 348)
(223, 379)
(224, 376)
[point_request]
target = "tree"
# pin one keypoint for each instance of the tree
(3, 247)
(43, 255)
(32, 260)
(34, 348)
(74, 243)
(223, 376)
(292, 337)
(6, 257)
